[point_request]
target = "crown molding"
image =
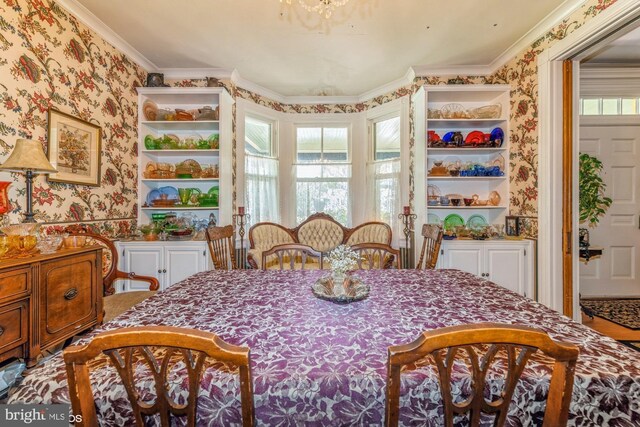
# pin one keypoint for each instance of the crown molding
(551, 20)
(85, 16)
(453, 70)
(196, 73)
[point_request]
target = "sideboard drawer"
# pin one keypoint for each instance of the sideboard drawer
(13, 325)
(68, 298)
(15, 283)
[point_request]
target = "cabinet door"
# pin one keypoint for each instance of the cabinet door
(505, 265)
(463, 257)
(183, 261)
(145, 261)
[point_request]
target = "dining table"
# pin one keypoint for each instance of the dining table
(318, 363)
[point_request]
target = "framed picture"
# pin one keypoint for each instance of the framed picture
(512, 226)
(74, 149)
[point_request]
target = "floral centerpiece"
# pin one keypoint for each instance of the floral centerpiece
(342, 260)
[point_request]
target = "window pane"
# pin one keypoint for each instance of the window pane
(309, 144)
(321, 196)
(386, 139)
(629, 106)
(257, 137)
(336, 144)
(261, 189)
(387, 192)
(590, 107)
(610, 106)
(334, 171)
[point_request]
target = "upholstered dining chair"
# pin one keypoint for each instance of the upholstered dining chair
(115, 304)
(291, 256)
(377, 256)
(432, 235)
(161, 349)
(221, 247)
(516, 343)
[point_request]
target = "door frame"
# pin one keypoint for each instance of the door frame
(617, 19)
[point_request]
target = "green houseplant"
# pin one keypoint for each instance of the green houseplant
(593, 203)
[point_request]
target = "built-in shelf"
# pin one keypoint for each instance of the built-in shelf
(464, 123)
(467, 178)
(210, 152)
(199, 125)
(466, 207)
(473, 151)
(178, 208)
(182, 180)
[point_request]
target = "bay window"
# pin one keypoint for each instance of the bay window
(261, 170)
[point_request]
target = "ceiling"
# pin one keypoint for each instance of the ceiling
(623, 51)
(365, 44)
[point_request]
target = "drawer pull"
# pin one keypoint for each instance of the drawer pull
(1, 330)
(71, 294)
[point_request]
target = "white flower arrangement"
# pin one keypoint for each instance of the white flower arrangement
(343, 259)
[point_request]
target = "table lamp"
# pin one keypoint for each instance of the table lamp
(28, 157)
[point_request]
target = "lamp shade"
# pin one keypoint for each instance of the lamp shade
(28, 155)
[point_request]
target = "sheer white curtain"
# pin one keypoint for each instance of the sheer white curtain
(384, 198)
(261, 188)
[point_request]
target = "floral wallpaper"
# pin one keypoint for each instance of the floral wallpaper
(49, 59)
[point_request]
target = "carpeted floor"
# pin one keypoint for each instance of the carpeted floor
(624, 312)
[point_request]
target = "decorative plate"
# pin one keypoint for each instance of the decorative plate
(499, 161)
(475, 137)
(433, 219)
(433, 190)
(452, 221)
(497, 133)
(476, 222)
(447, 137)
(153, 195)
(171, 192)
(356, 290)
(149, 142)
(454, 111)
(494, 198)
(150, 110)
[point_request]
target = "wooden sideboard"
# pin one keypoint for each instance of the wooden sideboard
(47, 299)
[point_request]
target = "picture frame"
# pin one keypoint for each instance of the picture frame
(512, 226)
(74, 149)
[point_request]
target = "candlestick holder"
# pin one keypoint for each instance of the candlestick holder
(240, 220)
(407, 219)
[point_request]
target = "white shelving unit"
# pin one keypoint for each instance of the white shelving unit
(187, 99)
(469, 96)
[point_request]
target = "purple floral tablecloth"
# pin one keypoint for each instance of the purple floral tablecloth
(317, 363)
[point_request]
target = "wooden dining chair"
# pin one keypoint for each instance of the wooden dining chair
(221, 247)
(518, 343)
(157, 347)
(432, 235)
(115, 304)
(294, 255)
(377, 256)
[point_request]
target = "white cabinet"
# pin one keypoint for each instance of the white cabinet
(508, 263)
(169, 262)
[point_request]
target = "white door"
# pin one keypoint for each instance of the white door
(144, 261)
(463, 257)
(618, 147)
(505, 265)
(183, 261)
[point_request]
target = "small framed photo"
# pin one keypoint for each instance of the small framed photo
(512, 226)
(74, 149)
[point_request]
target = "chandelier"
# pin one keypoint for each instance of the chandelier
(322, 7)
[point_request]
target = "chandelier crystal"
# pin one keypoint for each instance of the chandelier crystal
(322, 7)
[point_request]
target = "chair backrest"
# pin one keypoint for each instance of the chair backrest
(110, 271)
(130, 347)
(377, 256)
(370, 232)
(221, 247)
(291, 256)
(518, 343)
(321, 232)
(430, 247)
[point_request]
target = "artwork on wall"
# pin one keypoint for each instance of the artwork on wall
(74, 149)
(512, 226)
